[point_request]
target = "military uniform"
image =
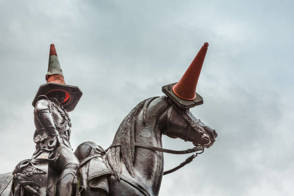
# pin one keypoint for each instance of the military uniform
(51, 104)
(51, 121)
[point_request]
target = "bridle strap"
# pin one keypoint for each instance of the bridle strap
(159, 149)
(188, 160)
(196, 150)
(85, 160)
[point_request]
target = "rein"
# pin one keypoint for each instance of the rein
(196, 150)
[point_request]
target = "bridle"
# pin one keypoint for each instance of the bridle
(199, 149)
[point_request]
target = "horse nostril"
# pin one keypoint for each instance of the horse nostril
(205, 139)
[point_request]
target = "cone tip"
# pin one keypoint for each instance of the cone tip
(52, 50)
(206, 44)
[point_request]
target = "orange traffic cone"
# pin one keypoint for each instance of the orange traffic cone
(54, 73)
(184, 93)
(55, 82)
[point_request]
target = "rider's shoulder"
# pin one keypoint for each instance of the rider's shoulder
(42, 103)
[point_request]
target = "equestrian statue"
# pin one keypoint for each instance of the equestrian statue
(132, 165)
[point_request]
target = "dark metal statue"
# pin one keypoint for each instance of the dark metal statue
(30, 178)
(52, 103)
(133, 164)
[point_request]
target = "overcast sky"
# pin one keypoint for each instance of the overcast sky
(120, 52)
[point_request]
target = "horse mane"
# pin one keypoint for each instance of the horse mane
(123, 145)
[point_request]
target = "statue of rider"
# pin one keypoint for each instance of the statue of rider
(51, 104)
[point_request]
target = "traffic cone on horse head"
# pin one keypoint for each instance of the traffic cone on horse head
(56, 84)
(184, 92)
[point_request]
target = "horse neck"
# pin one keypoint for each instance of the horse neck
(147, 131)
(140, 127)
(148, 163)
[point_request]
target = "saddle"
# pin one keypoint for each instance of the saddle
(94, 172)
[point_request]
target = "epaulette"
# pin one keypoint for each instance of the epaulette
(39, 98)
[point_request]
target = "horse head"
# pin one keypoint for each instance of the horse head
(135, 152)
(181, 123)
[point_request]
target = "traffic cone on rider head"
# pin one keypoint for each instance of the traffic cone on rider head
(55, 83)
(54, 73)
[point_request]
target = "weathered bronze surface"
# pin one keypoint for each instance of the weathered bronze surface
(133, 163)
(130, 166)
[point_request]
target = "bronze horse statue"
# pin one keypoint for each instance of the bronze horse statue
(135, 156)
(134, 163)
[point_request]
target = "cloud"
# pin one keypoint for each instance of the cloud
(119, 53)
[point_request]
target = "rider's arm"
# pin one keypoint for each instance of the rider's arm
(43, 114)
